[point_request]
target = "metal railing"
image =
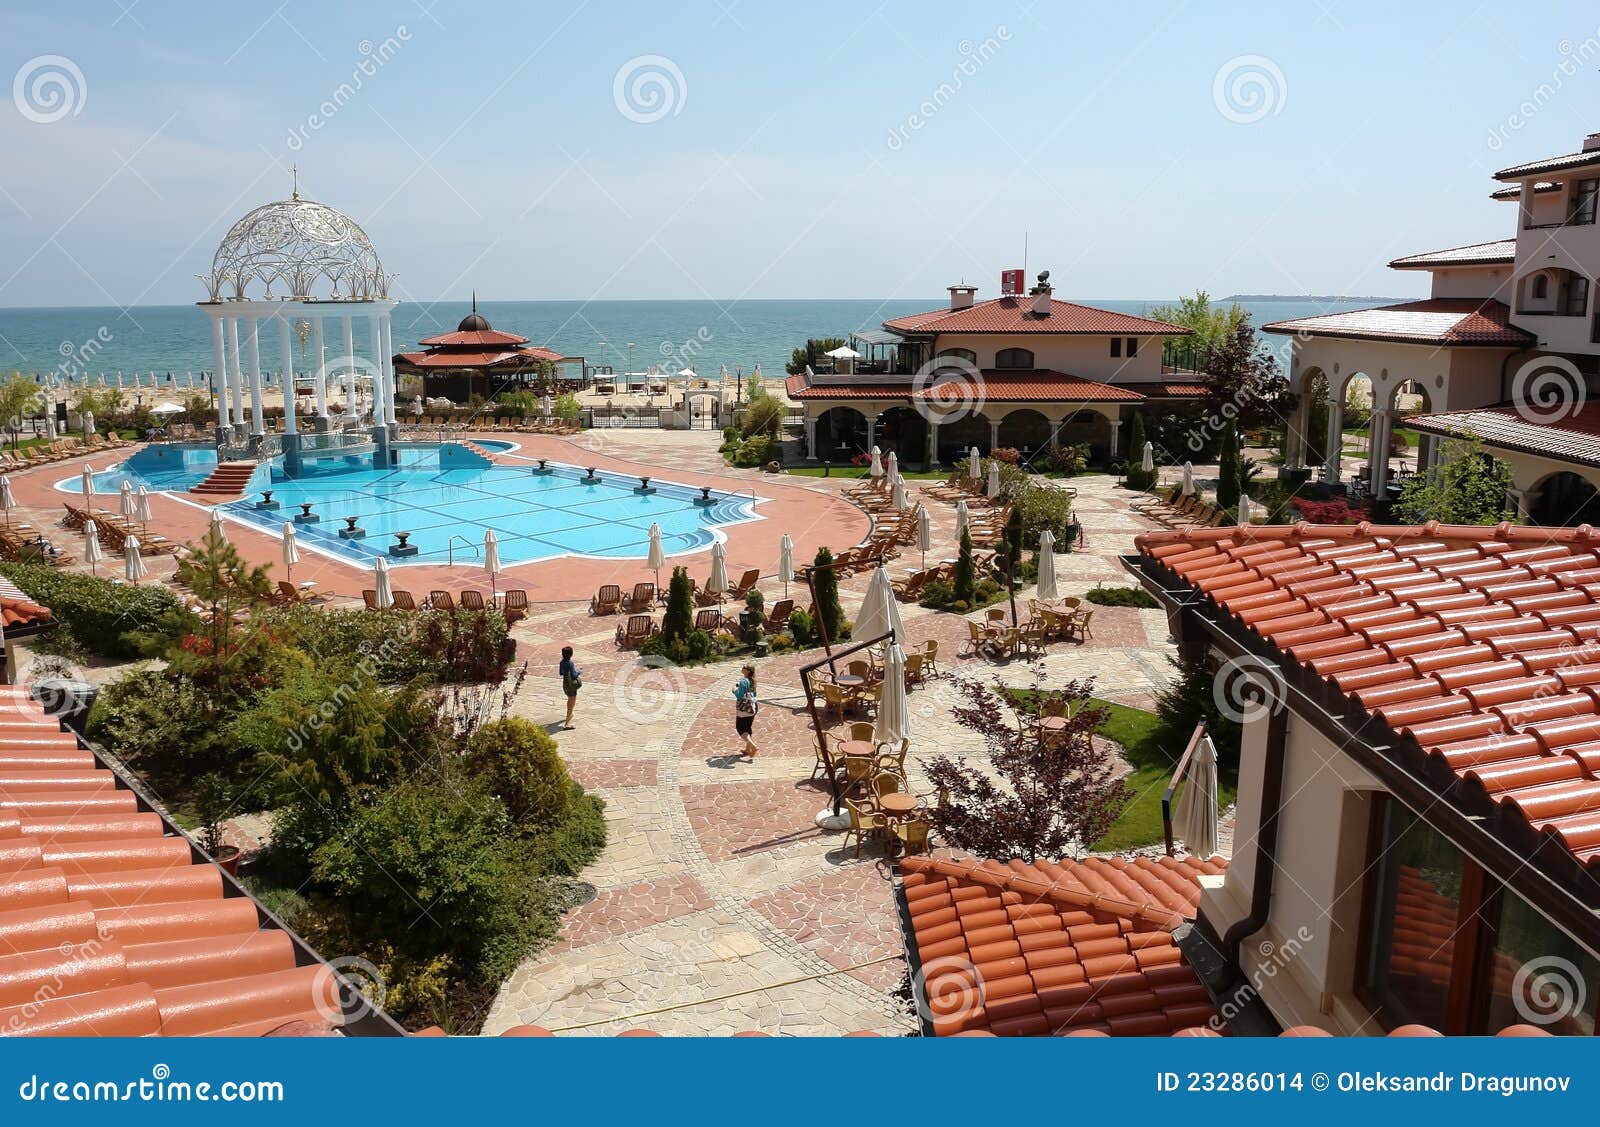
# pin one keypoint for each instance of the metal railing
(450, 547)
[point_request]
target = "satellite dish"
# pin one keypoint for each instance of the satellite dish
(1044, 276)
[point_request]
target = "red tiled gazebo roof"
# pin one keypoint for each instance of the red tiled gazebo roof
(474, 359)
(481, 338)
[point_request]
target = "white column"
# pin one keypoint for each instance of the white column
(872, 430)
(1055, 431)
(377, 370)
(386, 363)
(1378, 451)
(349, 369)
(220, 376)
(258, 425)
(994, 434)
(320, 355)
(1331, 463)
(1116, 429)
(811, 438)
(286, 339)
(930, 457)
(234, 411)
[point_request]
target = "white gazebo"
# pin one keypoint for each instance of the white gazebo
(283, 265)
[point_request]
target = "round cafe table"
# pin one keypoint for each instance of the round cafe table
(897, 804)
(861, 749)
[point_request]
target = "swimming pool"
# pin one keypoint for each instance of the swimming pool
(448, 501)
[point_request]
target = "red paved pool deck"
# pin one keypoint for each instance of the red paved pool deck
(811, 517)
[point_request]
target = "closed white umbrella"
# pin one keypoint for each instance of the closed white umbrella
(126, 504)
(218, 530)
(657, 558)
(133, 568)
(491, 561)
(891, 465)
(786, 563)
(880, 612)
(91, 545)
(994, 479)
(50, 426)
(88, 486)
(1187, 487)
(897, 494)
(961, 519)
(1244, 508)
(88, 423)
(876, 469)
(380, 583)
(291, 550)
(547, 406)
(7, 501)
(718, 582)
(1047, 565)
(894, 718)
(1148, 462)
(1197, 806)
(924, 532)
(973, 469)
(141, 505)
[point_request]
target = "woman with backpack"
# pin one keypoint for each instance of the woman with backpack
(744, 710)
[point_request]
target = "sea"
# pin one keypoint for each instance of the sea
(628, 335)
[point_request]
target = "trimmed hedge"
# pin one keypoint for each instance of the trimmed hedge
(107, 619)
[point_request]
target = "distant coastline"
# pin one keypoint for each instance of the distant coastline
(1329, 297)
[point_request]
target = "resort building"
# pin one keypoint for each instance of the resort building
(1506, 347)
(478, 359)
(1418, 827)
(1022, 370)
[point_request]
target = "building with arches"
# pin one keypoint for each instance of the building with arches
(1506, 348)
(1021, 370)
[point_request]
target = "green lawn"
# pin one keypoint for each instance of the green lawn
(1138, 732)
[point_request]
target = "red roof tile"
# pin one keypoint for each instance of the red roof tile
(1447, 321)
(109, 925)
(464, 359)
(482, 338)
(1052, 948)
(1015, 315)
(1567, 163)
(1573, 438)
(1482, 645)
(1514, 192)
(17, 609)
(1000, 385)
(1495, 253)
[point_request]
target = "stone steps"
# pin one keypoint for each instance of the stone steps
(229, 479)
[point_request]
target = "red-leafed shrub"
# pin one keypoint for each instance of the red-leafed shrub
(1337, 511)
(1006, 454)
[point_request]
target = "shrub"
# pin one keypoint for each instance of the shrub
(159, 724)
(567, 407)
(1337, 511)
(106, 619)
(1228, 471)
(699, 645)
(680, 607)
(1067, 459)
(966, 572)
(754, 451)
(1008, 455)
(764, 416)
(826, 586)
(518, 762)
(937, 595)
(801, 627)
(1136, 475)
(1122, 597)
(462, 645)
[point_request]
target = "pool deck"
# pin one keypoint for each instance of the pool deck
(811, 515)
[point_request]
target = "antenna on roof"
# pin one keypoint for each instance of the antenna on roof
(474, 299)
(294, 170)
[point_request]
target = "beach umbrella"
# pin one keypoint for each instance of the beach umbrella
(1188, 480)
(50, 426)
(133, 568)
(843, 352)
(994, 479)
(973, 470)
(91, 545)
(7, 501)
(126, 506)
(961, 519)
(291, 550)
(218, 531)
(924, 532)
(165, 408)
(898, 493)
(894, 719)
(547, 406)
(880, 612)
(1197, 806)
(1047, 565)
(876, 469)
(891, 465)
(491, 561)
(380, 581)
(141, 505)
(88, 423)
(657, 558)
(719, 570)
(785, 561)
(88, 486)
(1148, 463)
(1244, 508)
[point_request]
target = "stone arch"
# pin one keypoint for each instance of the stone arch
(1564, 499)
(841, 434)
(1403, 399)
(1025, 429)
(905, 431)
(1312, 418)
(1086, 426)
(1351, 400)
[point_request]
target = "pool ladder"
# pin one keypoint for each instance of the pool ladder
(450, 547)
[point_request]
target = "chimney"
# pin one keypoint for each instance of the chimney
(1591, 142)
(1041, 295)
(961, 296)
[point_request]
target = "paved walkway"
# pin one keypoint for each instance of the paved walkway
(720, 906)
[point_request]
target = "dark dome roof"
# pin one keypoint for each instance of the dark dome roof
(473, 322)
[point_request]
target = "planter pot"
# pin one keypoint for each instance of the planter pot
(228, 858)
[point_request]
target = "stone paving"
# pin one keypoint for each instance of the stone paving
(720, 906)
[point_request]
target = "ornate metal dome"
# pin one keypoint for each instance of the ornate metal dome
(291, 244)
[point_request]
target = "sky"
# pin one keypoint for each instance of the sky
(732, 149)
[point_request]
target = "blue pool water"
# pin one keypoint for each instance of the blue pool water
(447, 508)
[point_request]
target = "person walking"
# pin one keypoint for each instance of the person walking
(744, 710)
(571, 681)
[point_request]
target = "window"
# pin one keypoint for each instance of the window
(1529, 947)
(1116, 347)
(1013, 358)
(1133, 347)
(958, 354)
(1581, 203)
(1541, 287)
(1577, 297)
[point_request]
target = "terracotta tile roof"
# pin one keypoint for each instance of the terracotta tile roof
(483, 338)
(1514, 192)
(1575, 438)
(448, 359)
(1015, 315)
(1447, 321)
(1169, 390)
(1480, 645)
(1497, 252)
(1571, 161)
(1000, 385)
(17, 610)
(1050, 948)
(109, 925)
(796, 388)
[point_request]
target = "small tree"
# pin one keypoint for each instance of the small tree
(1468, 486)
(225, 585)
(19, 399)
(1228, 470)
(803, 358)
(825, 581)
(966, 573)
(1052, 796)
(1136, 475)
(1190, 698)
(519, 763)
(679, 616)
